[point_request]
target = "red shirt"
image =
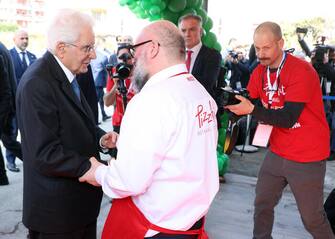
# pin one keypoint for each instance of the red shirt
(308, 140)
(118, 109)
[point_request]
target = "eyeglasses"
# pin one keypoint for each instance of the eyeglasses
(86, 49)
(132, 48)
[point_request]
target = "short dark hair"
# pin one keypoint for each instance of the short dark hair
(191, 16)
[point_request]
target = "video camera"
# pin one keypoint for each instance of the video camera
(226, 96)
(122, 69)
(122, 72)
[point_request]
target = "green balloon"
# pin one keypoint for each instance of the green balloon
(154, 10)
(203, 14)
(170, 16)
(143, 14)
(222, 136)
(177, 5)
(223, 163)
(137, 10)
(208, 25)
(130, 2)
(132, 6)
(220, 163)
(162, 5)
(123, 2)
(154, 17)
(188, 11)
(192, 3)
(155, 2)
(145, 4)
(209, 39)
(199, 4)
(217, 46)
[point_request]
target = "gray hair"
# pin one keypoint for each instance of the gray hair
(191, 16)
(66, 27)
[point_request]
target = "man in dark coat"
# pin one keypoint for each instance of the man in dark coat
(59, 134)
(203, 62)
(7, 108)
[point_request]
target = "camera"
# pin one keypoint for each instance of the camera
(320, 51)
(122, 72)
(233, 54)
(123, 69)
(301, 30)
(226, 96)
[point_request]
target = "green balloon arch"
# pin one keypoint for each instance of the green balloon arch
(172, 10)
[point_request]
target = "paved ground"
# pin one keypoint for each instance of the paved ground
(230, 216)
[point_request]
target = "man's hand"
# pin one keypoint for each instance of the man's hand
(243, 108)
(89, 176)
(109, 140)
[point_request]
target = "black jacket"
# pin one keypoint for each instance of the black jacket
(207, 67)
(59, 136)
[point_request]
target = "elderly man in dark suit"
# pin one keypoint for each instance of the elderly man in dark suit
(204, 63)
(59, 134)
(21, 59)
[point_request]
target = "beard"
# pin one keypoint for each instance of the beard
(140, 74)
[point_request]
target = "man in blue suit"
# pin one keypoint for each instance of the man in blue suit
(21, 59)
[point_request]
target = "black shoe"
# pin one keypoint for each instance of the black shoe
(13, 168)
(3, 180)
(105, 117)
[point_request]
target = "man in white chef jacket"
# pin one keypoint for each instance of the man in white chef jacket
(166, 174)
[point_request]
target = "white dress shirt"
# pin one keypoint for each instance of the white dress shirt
(167, 151)
(19, 51)
(67, 72)
(195, 51)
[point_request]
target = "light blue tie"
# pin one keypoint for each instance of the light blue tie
(76, 88)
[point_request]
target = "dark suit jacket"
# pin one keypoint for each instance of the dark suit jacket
(8, 68)
(206, 68)
(5, 93)
(86, 83)
(59, 136)
(19, 70)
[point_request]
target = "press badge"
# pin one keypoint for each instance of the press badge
(262, 135)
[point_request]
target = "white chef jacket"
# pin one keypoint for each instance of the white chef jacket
(167, 151)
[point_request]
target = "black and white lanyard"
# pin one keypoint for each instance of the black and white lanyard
(273, 88)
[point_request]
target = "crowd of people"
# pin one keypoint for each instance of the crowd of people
(164, 89)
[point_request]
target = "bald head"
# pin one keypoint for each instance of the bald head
(21, 39)
(160, 45)
(269, 28)
(169, 38)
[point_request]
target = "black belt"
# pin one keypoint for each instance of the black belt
(195, 226)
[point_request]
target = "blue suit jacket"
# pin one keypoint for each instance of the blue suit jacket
(18, 63)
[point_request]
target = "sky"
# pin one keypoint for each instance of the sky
(232, 19)
(239, 18)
